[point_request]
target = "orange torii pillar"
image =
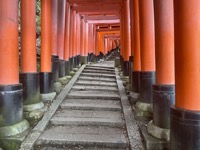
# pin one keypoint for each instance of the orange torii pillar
(163, 90)
(74, 42)
(78, 26)
(185, 115)
(82, 46)
(54, 37)
(86, 41)
(46, 76)
(29, 76)
(90, 36)
(71, 40)
(11, 92)
(126, 39)
(61, 35)
(67, 39)
(136, 47)
(147, 47)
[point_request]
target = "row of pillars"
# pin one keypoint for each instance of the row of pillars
(67, 41)
(165, 50)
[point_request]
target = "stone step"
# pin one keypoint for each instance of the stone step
(100, 67)
(88, 117)
(89, 104)
(93, 95)
(97, 79)
(94, 88)
(96, 83)
(98, 75)
(84, 136)
(98, 71)
(76, 148)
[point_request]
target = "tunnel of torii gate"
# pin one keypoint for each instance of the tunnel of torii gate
(159, 43)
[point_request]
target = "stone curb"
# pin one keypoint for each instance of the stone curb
(131, 124)
(28, 143)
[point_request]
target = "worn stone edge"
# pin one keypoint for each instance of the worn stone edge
(28, 143)
(135, 139)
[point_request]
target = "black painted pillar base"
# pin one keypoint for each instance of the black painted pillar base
(125, 68)
(11, 110)
(130, 67)
(74, 61)
(71, 63)
(46, 82)
(78, 60)
(61, 68)
(135, 81)
(55, 68)
(121, 61)
(146, 80)
(84, 60)
(185, 129)
(67, 68)
(163, 99)
(31, 87)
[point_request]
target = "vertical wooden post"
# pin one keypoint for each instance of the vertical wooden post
(163, 90)
(185, 122)
(29, 76)
(147, 47)
(11, 94)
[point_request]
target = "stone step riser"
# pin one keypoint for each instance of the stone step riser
(92, 97)
(86, 123)
(90, 108)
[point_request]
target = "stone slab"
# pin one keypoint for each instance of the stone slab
(96, 83)
(78, 147)
(134, 135)
(94, 88)
(91, 104)
(151, 142)
(98, 75)
(98, 71)
(100, 68)
(84, 135)
(97, 79)
(87, 117)
(93, 95)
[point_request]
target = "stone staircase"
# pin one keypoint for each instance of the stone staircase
(91, 115)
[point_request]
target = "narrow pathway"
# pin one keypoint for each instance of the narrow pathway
(92, 112)
(91, 115)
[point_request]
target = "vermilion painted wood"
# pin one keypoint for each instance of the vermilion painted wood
(61, 27)
(28, 36)
(45, 36)
(187, 54)
(136, 36)
(164, 41)
(147, 35)
(67, 32)
(9, 64)
(54, 31)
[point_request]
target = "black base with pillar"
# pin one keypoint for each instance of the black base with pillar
(61, 68)
(125, 68)
(31, 87)
(184, 129)
(130, 67)
(146, 80)
(78, 60)
(71, 61)
(163, 99)
(74, 61)
(46, 82)
(135, 81)
(11, 110)
(55, 67)
(67, 68)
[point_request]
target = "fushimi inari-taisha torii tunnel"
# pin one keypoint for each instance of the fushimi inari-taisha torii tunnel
(52, 51)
